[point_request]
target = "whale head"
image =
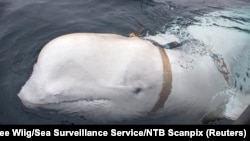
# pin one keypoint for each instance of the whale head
(103, 82)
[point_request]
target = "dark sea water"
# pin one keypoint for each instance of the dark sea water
(27, 25)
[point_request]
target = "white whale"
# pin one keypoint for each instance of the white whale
(107, 77)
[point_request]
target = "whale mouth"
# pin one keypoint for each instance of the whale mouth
(31, 104)
(54, 108)
(88, 100)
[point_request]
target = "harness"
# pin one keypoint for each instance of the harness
(167, 81)
(167, 73)
(221, 66)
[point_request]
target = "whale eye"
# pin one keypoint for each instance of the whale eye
(137, 90)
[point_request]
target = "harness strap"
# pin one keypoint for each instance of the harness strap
(167, 81)
(221, 66)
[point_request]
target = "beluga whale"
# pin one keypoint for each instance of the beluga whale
(110, 78)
